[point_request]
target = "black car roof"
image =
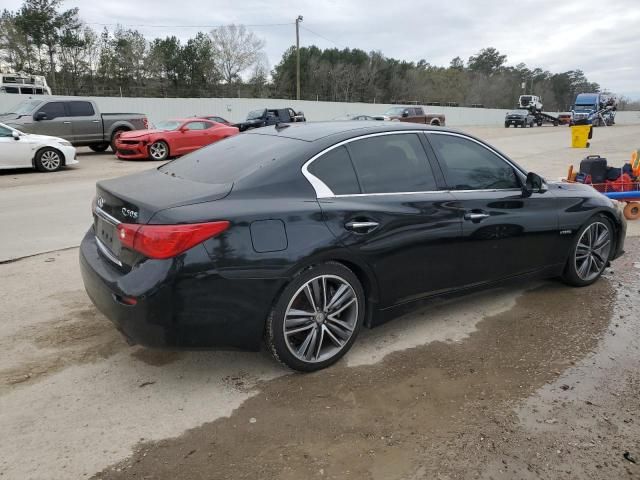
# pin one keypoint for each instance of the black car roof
(312, 131)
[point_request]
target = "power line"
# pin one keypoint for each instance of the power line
(182, 26)
(321, 36)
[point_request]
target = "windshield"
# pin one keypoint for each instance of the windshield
(25, 107)
(584, 108)
(255, 114)
(518, 112)
(168, 125)
(395, 111)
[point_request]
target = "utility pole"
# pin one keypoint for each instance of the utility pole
(298, 20)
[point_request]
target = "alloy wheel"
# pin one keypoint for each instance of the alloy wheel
(320, 318)
(592, 251)
(50, 160)
(158, 151)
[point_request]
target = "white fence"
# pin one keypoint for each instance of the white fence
(236, 109)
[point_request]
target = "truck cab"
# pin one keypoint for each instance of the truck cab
(594, 108)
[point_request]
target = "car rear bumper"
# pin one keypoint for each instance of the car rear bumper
(191, 310)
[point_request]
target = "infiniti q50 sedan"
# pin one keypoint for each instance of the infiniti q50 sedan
(298, 235)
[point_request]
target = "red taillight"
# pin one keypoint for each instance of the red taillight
(166, 241)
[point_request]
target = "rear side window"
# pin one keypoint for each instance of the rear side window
(334, 168)
(392, 163)
(470, 166)
(81, 109)
(198, 125)
(231, 159)
(53, 110)
(419, 111)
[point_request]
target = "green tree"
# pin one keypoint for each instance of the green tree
(487, 61)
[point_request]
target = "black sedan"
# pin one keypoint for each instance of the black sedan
(299, 235)
(522, 118)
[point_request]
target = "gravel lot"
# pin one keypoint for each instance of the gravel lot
(533, 380)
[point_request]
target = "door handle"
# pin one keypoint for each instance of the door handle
(476, 216)
(66, 122)
(95, 121)
(361, 227)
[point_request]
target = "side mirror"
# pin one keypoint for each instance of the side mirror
(15, 135)
(300, 113)
(183, 129)
(40, 116)
(533, 184)
(405, 114)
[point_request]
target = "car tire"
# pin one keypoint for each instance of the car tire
(49, 159)
(506, 125)
(590, 252)
(305, 309)
(159, 150)
(115, 135)
(99, 147)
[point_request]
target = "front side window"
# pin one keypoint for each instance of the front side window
(53, 110)
(81, 109)
(470, 166)
(5, 132)
(392, 164)
(334, 168)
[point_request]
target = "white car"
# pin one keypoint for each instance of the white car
(26, 150)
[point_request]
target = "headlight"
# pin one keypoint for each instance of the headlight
(64, 143)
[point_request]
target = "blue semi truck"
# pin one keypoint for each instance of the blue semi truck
(597, 109)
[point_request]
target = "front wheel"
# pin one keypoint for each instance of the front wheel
(99, 147)
(48, 160)
(317, 318)
(590, 252)
(159, 150)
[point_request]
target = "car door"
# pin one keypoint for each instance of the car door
(85, 125)
(506, 233)
(421, 117)
(381, 200)
(191, 136)
(55, 121)
(14, 152)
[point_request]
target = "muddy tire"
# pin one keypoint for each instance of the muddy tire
(99, 147)
(317, 318)
(48, 160)
(632, 211)
(590, 252)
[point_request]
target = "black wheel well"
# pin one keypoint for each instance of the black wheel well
(33, 160)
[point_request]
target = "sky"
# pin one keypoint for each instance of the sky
(602, 38)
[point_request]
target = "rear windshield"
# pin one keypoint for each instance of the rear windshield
(228, 160)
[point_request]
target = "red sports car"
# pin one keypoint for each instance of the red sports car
(171, 138)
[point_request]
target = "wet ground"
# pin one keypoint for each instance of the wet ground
(548, 389)
(532, 380)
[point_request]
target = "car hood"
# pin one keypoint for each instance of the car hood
(44, 138)
(140, 133)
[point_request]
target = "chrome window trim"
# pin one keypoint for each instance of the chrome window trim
(107, 253)
(323, 191)
(453, 134)
(321, 188)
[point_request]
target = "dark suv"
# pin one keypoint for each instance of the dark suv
(519, 117)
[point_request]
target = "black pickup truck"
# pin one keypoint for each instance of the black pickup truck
(270, 116)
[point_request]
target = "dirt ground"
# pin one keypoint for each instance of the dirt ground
(532, 380)
(543, 390)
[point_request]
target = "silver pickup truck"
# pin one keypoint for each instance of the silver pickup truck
(77, 120)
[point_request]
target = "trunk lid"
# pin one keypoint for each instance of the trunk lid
(137, 198)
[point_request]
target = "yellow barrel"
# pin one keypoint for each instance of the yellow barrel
(580, 136)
